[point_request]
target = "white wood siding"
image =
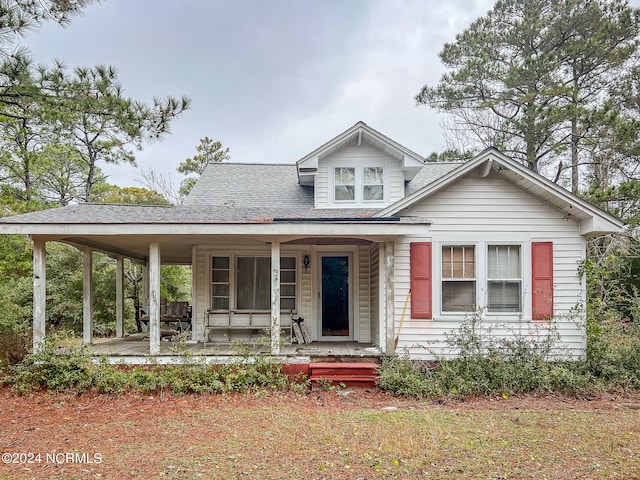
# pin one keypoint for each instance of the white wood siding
(202, 300)
(374, 297)
(363, 319)
(362, 156)
(480, 211)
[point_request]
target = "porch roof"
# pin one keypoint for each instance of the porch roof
(127, 230)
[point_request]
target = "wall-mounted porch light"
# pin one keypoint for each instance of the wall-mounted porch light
(306, 261)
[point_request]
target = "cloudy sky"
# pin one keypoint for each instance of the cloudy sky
(271, 79)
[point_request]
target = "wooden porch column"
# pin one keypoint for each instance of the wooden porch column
(389, 317)
(275, 298)
(87, 297)
(119, 296)
(194, 291)
(39, 294)
(154, 298)
(145, 287)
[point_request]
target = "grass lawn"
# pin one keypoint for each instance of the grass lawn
(322, 435)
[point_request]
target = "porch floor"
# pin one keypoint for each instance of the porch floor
(135, 349)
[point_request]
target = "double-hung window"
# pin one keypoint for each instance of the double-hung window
(458, 278)
(345, 184)
(504, 278)
(373, 189)
(244, 283)
(358, 184)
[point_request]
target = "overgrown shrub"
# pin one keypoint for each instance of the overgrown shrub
(73, 369)
(613, 354)
(487, 365)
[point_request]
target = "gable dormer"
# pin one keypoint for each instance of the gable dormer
(360, 168)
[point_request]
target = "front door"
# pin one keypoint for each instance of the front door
(335, 322)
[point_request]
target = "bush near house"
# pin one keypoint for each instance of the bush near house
(486, 366)
(74, 370)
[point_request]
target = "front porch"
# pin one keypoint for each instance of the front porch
(134, 349)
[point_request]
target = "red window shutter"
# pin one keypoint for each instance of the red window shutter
(421, 284)
(542, 280)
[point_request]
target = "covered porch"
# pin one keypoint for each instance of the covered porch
(337, 277)
(134, 349)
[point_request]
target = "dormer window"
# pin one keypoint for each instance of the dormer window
(358, 184)
(345, 184)
(373, 184)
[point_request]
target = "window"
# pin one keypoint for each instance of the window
(253, 283)
(358, 185)
(504, 278)
(373, 184)
(287, 283)
(251, 289)
(345, 184)
(458, 278)
(220, 283)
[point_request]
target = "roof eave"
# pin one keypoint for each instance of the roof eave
(597, 221)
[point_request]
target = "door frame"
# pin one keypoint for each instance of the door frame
(336, 251)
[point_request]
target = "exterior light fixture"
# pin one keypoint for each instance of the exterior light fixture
(306, 261)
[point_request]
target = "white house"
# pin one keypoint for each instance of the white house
(340, 238)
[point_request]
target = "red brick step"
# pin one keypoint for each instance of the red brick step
(357, 374)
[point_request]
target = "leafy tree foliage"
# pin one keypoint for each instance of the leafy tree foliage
(535, 78)
(16, 18)
(208, 152)
(92, 115)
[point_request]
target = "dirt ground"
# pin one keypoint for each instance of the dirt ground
(255, 435)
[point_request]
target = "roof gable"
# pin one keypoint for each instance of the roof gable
(593, 221)
(411, 162)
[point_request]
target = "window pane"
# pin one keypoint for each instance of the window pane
(458, 262)
(458, 296)
(373, 176)
(288, 263)
(345, 176)
(287, 304)
(373, 192)
(221, 303)
(287, 277)
(221, 275)
(221, 290)
(504, 297)
(253, 283)
(288, 290)
(504, 261)
(344, 192)
(221, 262)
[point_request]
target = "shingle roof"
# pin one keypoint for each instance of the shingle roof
(430, 173)
(250, 185)
(226, 193)
(90, 213)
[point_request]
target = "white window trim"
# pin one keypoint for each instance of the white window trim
(232, 278)
(359, 183)
(513, 280)
(482, 276)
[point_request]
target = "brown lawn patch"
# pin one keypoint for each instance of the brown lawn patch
(322, 435)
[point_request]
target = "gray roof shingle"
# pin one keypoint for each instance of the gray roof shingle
(226, 193)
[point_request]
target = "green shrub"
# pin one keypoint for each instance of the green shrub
(73, 369)
(487, 365)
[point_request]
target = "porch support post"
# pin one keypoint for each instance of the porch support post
(194, 291)
(87, 297)
(389, 264)
(39, 294)
(275, 298)
(145, 287)
(119, 296)
(154, 298)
